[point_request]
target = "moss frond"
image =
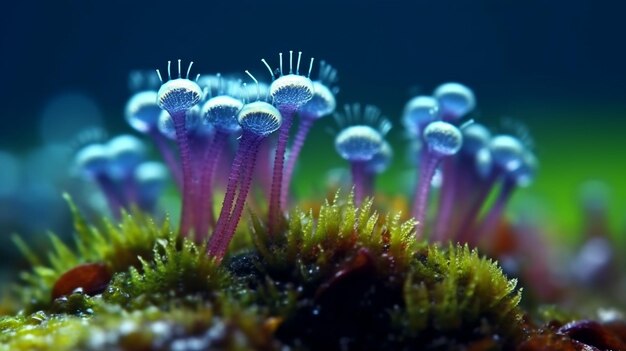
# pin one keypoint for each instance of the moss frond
(176, 272)
(460, 295)
(336, 233)
(118, 246)
(343, 273)
(366, 274)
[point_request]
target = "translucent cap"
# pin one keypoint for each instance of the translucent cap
(126, 150)
(507, 152)
(381, 160)
(455, 100)
(442, 138)
(221, 111)
(322, 103)
(475, 137)
(179, 95)
(93, 159)
(419, 112)
(358, 143)
(291, 91)
(260, 118)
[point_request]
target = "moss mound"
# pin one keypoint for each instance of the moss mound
(343, 279)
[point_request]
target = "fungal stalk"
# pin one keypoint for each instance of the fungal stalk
(468, 175)
(506, 154)
(142, 114)
(200, 136)
(441, 140)
(418, 113)
(323, 103)
(289, 92)
(454, 101)
(221, 112)
(358, 142)
(94, 162)
(126, 153)
(521, 175)
(177, 96)
(375, 166)
(258, 120)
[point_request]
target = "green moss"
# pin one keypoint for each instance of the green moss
(144, 329)
(457, 295)
(118, 246)
(351, 276)
(313, 245)
(176, 273)
(343, 278)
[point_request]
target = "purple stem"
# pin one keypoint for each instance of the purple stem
(369, 180)
(246, 181)
(446, 198)
(211, 158)
(263, 173)
(303, 130)
(489, 225)
(275, 209)
(168, 156)
(199, 148)
(111, 193)
(421, 164)
(186, 215)
(359, 181)
(219, 238)
(427, 171)
(467, 185)
(466, 229)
